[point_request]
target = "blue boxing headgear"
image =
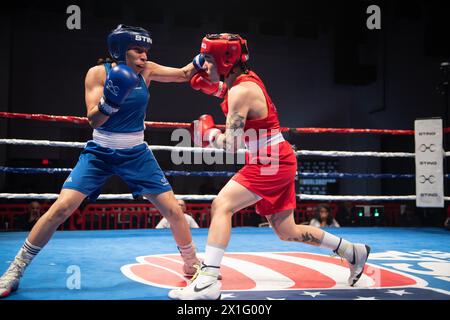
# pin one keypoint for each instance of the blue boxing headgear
(123, 37)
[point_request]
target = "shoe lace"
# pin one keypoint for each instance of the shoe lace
(197, 272)
(335, 254)
(201, 272)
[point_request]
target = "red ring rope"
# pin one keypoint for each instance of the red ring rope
(155, 124)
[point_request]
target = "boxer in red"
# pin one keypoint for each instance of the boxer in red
(268, 176)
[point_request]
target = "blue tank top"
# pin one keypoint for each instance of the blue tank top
(131, 115)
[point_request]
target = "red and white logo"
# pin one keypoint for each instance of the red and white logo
(258, 271)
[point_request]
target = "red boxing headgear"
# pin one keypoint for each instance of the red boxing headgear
(227, 50)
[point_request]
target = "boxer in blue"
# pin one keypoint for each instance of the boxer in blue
(116, 97)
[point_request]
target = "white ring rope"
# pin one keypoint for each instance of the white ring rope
(208, 197)
(198, 149)
(355, 154)
(45, 143)
(123, 196)
(50, 196)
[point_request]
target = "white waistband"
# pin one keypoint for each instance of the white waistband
(116, 140)
(254, 145)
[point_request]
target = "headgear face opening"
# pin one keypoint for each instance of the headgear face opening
(226, 49)
(124, 37)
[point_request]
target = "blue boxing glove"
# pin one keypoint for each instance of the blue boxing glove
(199, 61)
(119, 83)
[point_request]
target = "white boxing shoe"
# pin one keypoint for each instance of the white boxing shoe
(203, 286)
(9, 281)
(360, 254)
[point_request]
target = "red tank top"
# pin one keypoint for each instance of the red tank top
(270, 122)
(268, 127)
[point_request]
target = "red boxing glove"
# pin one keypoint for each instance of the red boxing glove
(204, 131)
(200, 81)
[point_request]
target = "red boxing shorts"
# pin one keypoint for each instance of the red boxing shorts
(274, 183)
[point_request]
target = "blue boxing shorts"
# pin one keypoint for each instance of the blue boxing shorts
(137, 166)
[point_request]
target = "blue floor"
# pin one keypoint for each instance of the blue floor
(85, 265)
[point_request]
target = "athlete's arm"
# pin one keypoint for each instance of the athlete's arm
(157, 72)
(239, 102)
(94, 82)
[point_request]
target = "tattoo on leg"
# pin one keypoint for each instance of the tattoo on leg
(306, 237)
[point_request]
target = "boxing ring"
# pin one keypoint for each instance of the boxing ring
(405, 263)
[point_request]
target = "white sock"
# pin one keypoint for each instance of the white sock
(340, 246)
(31, 246)
(213, 258)
(24, 256)
(29, 250)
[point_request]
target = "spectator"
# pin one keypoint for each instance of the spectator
(323, 218)
(165, 224)
(32, 215)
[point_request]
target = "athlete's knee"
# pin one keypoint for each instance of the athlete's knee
(284, 235)
(61, 210)
(220, 206)
(173, 214)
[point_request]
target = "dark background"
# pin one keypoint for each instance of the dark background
(321, 65)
